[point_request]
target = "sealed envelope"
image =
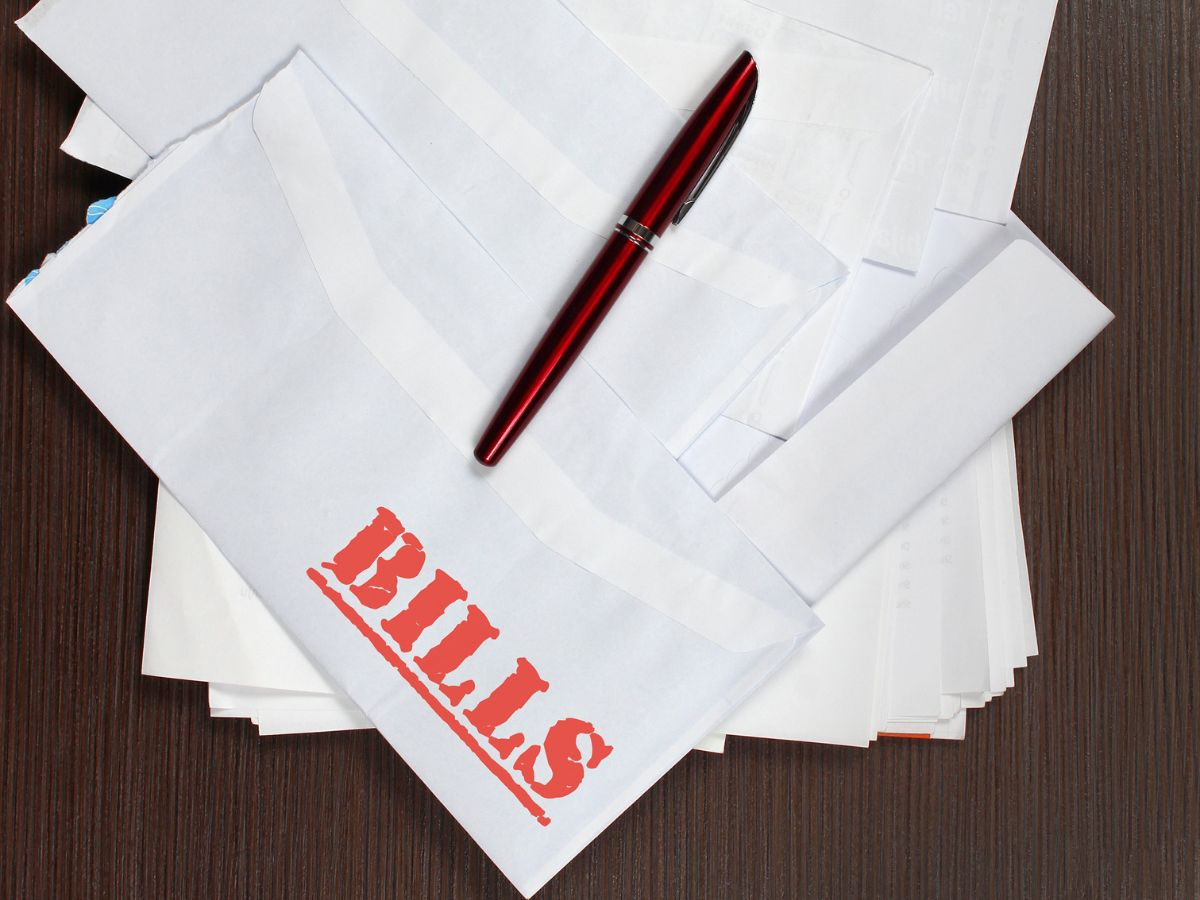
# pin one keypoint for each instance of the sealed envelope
(304, 342)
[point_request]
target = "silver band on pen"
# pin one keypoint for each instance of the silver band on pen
(637, 232)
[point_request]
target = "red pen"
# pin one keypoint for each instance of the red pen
(664, 199)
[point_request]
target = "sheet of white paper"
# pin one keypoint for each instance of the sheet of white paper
(286, 712)
(881, 697)
(1029, 627)
(1007, 533)
(986, 157)
(971, 568)
(915, 673)
(499, 141)
(964, 652)
(236, 696)
(273, 722)
(870, 455)
(203, 623)
(281, 418)
(942, 37)
(953, 729)
(235, 713)
(831, 117)
(995, 582)
(98, 140)
(713, 743)
(825, 693)
(1009, 550)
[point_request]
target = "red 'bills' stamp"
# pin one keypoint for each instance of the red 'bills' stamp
(367, 573)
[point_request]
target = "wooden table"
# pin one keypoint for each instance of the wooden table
(1082, 781)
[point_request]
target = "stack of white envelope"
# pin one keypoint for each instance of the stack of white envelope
(348, 221)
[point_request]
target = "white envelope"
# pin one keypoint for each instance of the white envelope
(96, 139)
(869, 315)
(302, 342)
(982, 172)
(943, 37)
(886, 441)
(532, 152)
(831, 118)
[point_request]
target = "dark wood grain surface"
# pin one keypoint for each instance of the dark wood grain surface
(1082, 781)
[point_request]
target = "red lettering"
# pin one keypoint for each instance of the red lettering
(453, 650)
(501, 704)
(379, 590)
(563, 757)
(559, 755)
(385, 650)
(424, 609)
(365, 547)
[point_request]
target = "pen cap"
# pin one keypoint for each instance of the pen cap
(698, 149)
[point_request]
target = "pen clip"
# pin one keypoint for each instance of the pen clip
(687, 205)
